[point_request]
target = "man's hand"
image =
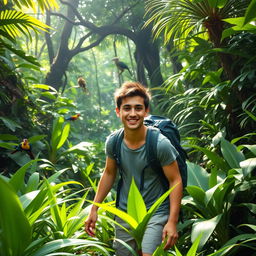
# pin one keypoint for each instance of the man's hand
(170, 234)
(90, 223)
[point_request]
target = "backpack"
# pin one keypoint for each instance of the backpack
(156, 125)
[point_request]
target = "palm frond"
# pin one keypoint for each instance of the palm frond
(178, 19)
(43, 4)
(13, 23)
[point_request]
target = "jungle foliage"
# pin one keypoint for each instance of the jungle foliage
(207, 62)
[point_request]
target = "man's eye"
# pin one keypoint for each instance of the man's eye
(138, 108)
(126, 108)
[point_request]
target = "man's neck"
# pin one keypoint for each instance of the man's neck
(135, 138)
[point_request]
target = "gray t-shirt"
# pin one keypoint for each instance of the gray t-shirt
(133, 163)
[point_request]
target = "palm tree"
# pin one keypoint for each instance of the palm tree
(183, 19)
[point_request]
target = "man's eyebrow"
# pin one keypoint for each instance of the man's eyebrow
(136, 105)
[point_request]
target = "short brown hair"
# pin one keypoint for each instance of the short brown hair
(131, 89)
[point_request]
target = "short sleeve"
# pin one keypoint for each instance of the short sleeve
(109, 146)
(166, 152)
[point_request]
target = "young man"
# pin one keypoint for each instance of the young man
(132, 106)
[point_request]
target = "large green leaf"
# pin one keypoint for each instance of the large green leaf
(197, 193)
(204, 227)
(135, 205)
(231, 154)
(214, 157)
(57, 245)
(248, 165)
(54, 208)
(8, 145)
(14, 226)
(64, 135)
(233, 242)
(250, 12)
(192, 251)
(139, 231)
(17, 180)
(12, 125)
(252, 148)
(197, 176)
(8, 137)
(36, 138)
(121, 214)
(81, 148)
(56, 132)
(21, 54)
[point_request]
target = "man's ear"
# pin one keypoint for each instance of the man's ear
(117, 111)
(147, 111)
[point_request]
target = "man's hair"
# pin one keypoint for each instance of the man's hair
(131, 89)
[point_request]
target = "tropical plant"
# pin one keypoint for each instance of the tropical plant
(137, 215)
(180, 19)
(213, 197)
(36, 221)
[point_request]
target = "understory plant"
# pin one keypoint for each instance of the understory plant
(220, 200)
(43, 217)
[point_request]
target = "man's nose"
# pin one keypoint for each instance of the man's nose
(132, 111)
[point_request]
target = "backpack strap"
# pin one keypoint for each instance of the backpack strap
(117, 141)
(151, 154)
(151, 146)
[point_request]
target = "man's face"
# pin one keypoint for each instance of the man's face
(132, 112)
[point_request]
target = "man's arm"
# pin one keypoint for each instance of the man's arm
(105, 184)
(172, 173)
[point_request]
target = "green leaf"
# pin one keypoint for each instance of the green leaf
(221, 3)
(12, 125)
(135, 205)
(8, 137)
(197, 176)
(230, 153)
(22, 54)
(204, 227)
(194, 247)
(36, 138)
(248, 165)
(56, 245)
(81, 148)
(33, 182)
(250, 115)
(121, 214)
(250, 13)
(14, 226)
(56, 132)
(250, 206)
(252, 148)
(239, 21)
(253, 227)
(49, 95)
(8, 145)
(215, 158)
(213, 3)
(17, 180)
(242, 239)
(139, 231)
(197, 193)
(64, 135)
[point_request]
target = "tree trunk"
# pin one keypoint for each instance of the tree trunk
(64, 55)
(148, 52)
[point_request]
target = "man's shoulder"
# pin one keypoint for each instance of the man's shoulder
(113, 135)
